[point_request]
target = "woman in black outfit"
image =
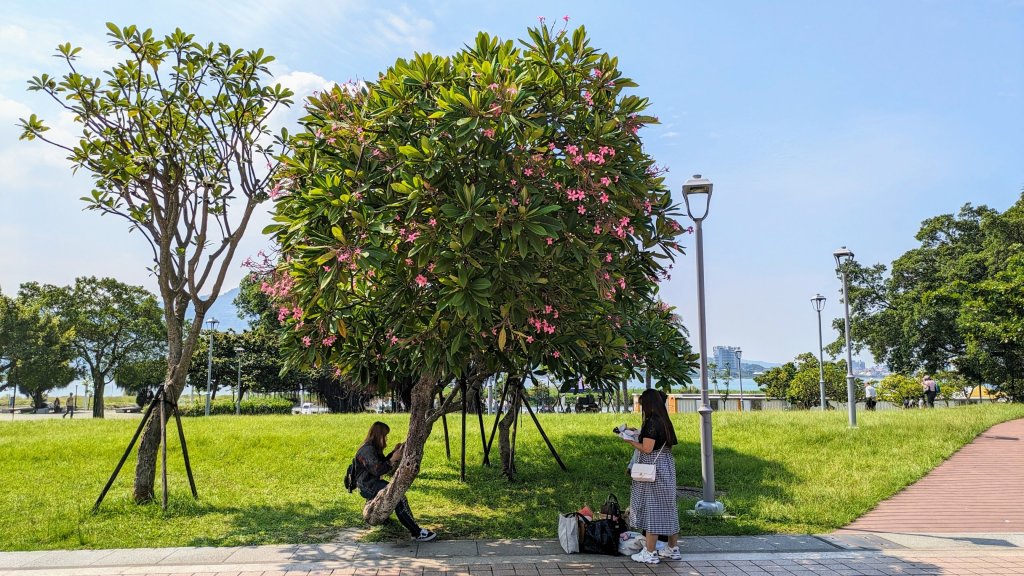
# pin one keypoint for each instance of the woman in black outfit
(653, 504)
(373, 464)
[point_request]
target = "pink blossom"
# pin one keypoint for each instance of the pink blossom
(581, 209)
(547, 309)
(492, 86)
(488, 132)
(566, 18)
(408, 261)
(394, 339)
(556, 354)
(327, 268)
(431, 267)
(605, 181)
(608, 257)
(421, 280)
(550, 241)
(328, 341)
(412, 236)
(604, 198)
(540, 19)
(306, 341)
(514, 202)
(528, 171)
(529, 339)
(337, 372)
(513, 182)
(432, 222)
(597, 73)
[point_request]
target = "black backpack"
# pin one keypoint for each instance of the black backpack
(350, 476)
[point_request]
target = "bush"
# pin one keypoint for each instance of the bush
(249, 406)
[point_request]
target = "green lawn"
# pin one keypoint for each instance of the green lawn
(276, 479)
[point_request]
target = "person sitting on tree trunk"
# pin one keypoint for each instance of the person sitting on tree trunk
(373, 464)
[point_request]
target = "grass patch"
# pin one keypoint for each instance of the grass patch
(278, 479)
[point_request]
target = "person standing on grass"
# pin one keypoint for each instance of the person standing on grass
(930, 390)
(372, 464)
(69, 407)
(870, 395)
(653, 504)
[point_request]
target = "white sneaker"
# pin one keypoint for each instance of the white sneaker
(646, 557)
(668, 553)
(426, 535)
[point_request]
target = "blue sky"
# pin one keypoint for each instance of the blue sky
(821, 124)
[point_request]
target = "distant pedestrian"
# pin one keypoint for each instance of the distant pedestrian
(930, 390)
(870, 395)
(56, 404)
(69, 407)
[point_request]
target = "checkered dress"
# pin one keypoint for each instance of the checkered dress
(653, 504)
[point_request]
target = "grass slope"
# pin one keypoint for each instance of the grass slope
(277, 479)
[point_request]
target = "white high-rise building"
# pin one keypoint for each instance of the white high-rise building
(725, 356)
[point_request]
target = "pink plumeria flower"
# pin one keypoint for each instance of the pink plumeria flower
(556, 354)
(421, 280)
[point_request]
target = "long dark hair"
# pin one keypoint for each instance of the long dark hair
(652, 403)
(377, 435)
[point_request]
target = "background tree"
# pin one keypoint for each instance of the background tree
(112, 323)
(141, 377)
(953, 303)
(175, 138)
(798, 381)
(659, 345)
(488, 212)
(897, 388)
(35, 350)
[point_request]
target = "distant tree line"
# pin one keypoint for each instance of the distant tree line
(954, 304)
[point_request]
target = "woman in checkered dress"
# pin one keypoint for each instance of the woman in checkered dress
(653, 504)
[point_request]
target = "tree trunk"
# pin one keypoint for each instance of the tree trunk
(99, 382)
(627, 400)
(504, 440)
(179, 357)
(380, 508)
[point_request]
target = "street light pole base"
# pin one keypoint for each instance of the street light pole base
(712, 509)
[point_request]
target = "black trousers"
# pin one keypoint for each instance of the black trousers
(930, 397)
(403, 511)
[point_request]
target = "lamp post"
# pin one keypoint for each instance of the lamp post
(819, 304)
(739, 369)
(209, 363)
(238, 387)
(843, 256)
(697, 192)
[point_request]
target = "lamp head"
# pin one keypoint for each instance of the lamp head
(842, 255)
(697, 195)
(818, 302)
(213, 323)
(239, 349)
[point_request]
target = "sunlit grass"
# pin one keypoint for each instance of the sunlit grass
(277, 479)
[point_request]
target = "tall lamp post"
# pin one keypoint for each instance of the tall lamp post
(238, 387)
(209, 363)
(739, 370)
(819, 304)
(843, 256)
(697, 195)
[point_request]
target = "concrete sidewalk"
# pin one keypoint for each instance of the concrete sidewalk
(845, 554)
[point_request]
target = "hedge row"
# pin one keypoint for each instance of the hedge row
(249, 406)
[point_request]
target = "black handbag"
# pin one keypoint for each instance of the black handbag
(601, 536)
(610, 509)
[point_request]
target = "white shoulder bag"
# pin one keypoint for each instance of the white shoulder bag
(645, 472)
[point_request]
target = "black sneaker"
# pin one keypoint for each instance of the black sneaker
(426, 535)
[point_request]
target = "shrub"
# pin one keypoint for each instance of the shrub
(249, 406)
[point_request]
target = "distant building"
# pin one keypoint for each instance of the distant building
(725, 356)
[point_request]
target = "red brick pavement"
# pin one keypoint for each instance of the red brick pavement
(979, 489)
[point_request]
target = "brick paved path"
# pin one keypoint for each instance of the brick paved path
(979, 489)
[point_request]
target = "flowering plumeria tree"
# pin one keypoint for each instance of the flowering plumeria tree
(493, 209)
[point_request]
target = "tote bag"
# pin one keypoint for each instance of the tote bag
(569, 532)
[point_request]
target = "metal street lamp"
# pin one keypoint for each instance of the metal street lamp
(739, 369)
(238, 387)
(209, 363)
(819, 304)
(843, 256)
(697, 195)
